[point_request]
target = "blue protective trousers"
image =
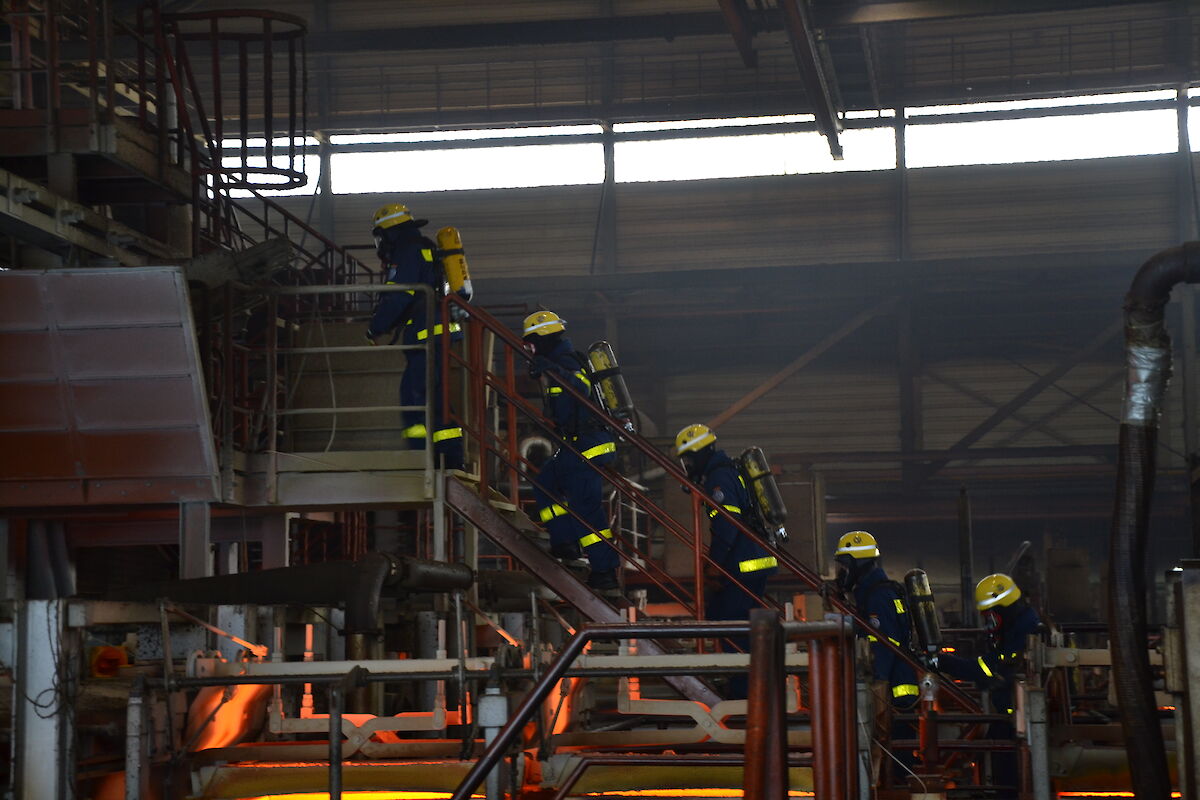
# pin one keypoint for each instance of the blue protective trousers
(567, 482)
(731, 602)
(447, 440)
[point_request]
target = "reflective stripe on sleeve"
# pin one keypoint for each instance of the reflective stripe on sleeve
(731, 509)
(756, 564)
(594, 538)
(983, 666)
(599, 450)
(905, 690)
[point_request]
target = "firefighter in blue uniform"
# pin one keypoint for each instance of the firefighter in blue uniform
(1009, 620)
(881, 601)
(411, 259)
(566, 481)
(729, 548)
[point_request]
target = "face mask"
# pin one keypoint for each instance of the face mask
(992, 622)
(845, 576)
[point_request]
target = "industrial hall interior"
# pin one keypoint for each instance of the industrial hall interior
(562, 399)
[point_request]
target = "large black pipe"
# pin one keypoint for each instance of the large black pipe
(1148, 363)
(357, 585)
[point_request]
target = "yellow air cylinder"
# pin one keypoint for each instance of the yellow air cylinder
(610, 383)
(454, 261)
(924, 611)
(767, 497)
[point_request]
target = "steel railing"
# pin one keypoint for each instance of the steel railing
(495, 437)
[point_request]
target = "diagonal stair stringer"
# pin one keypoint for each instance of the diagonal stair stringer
(466, 501)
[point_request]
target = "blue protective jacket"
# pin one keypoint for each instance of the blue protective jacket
(730, 548)
(411, 259)
(883, 604)
(568, 415)
(997, 668)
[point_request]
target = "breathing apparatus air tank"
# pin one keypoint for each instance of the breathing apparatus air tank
(454, 262)
(610, 383)
(924, 611)
(767, 497)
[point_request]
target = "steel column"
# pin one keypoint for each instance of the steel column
(41, 722)
(195, 558)
(966, 560)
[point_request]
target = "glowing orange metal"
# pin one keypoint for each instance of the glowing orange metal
(1105, 794)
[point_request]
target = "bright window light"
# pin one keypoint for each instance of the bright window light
(690, 124)
(456, 136)
(1043, 102)
(756, 154)
(1193, 128)
(485, 168)
(1012, 141)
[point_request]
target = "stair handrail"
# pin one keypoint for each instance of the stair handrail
(481, 317)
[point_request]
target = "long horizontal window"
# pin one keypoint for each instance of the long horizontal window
(1018, 131)
(752, 155)
(1012, 141)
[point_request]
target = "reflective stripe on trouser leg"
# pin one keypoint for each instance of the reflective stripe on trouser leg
(550, 512)
(446, 433)
(595, 538)
(417, 431)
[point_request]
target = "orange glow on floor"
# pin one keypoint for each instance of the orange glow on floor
(1105, 794)
(706, 793)
(389, 795)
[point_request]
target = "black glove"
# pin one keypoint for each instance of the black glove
(370, 338)
(539, 365)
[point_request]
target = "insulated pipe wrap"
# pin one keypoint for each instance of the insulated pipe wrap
(1148, 360)
(1147, 371)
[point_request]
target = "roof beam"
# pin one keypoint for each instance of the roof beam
(529, 33)
(736, 19)
(849, 14)
(812, 71)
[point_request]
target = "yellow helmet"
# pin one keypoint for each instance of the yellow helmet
(391, 214)
(857, 544)
(692, 438)
(544, 323)
(996, 590)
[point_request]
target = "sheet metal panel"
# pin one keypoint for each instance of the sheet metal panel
(1003, 210)
(101, 391)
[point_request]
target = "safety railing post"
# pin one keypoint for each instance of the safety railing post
(272, 396)
(820, 713)
(765, 770)
(510, 423)
(430, 366)
(698, 552)
(479, 406)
